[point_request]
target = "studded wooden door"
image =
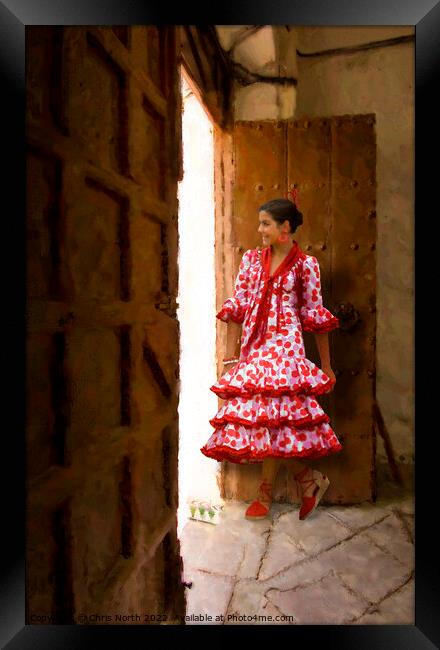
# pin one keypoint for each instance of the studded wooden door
(103, 111)
(332, 162)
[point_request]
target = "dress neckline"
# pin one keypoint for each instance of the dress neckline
(266, 253)
(278, 266)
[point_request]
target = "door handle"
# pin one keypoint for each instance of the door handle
(348, 316)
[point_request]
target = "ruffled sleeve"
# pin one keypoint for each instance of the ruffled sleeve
(314, 316)
(234, 308)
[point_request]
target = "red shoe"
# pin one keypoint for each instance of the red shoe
(258, 510)
(309, 503)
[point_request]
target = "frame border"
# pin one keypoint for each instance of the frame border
(425, 17)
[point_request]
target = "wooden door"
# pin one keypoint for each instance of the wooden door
(332, 163)
(104, 159)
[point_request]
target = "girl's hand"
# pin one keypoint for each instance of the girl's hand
(329, 372)
(227, 367)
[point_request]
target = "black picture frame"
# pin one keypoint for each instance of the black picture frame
(425, 17)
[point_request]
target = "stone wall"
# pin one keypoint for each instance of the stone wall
(378, 80)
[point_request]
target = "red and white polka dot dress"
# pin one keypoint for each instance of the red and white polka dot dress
(270, 408)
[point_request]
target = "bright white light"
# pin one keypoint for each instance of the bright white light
(196, 311)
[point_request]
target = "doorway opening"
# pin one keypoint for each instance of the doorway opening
(196, 311)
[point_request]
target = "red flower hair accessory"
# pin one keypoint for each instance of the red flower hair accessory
(293, 196)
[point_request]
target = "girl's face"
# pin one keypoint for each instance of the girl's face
(269, 228)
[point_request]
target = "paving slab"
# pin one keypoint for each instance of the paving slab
(212, 548)
(247, 600)
(282, 552)
(208, 596)
(365, 568)
(324, 602)
(233, 517)
(314, 534)
(254, 553)
(271, 615)
(358, 517)
(391, 535)
(310, 569)
(396, 609)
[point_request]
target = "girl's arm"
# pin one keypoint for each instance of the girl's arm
(233, 339)
(321, 339)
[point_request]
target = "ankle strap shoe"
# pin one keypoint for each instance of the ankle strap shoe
(309, 503)
(258, 510)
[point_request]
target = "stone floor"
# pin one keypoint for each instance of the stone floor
(343, 565)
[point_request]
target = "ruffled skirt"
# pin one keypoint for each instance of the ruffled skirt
(270, 410)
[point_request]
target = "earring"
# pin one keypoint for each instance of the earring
(283, 237)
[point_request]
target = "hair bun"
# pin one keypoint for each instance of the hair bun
(282, 209)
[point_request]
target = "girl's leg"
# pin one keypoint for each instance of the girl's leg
(260, 508)
(295, 465)
(270, 470)
(300, 468)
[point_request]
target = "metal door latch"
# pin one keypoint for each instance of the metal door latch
(166, 302)
(348, 316)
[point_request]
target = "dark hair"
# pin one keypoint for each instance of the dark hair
(282, 209)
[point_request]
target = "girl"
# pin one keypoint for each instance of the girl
(270, 414)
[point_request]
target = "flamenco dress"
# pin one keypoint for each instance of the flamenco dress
(270, 407)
